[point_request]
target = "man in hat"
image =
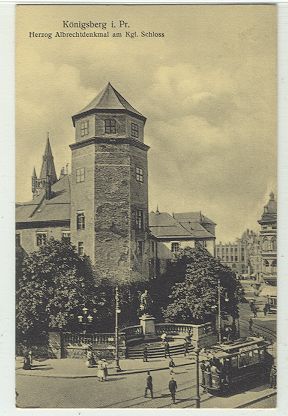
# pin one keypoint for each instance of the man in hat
(172, 388)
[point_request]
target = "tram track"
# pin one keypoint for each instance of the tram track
(268, 333)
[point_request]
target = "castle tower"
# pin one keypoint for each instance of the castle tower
(109, 187)
(47, 174)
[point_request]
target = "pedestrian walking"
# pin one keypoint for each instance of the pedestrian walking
(203, 368)
(273, 377)
(101, 372)
(166, 349)
(149, 385)
(90, 357)
(105, 365)
(250, 324)
(265, 309)
(145, 354)
(172, 388)
(171, 366)
(26, 362)
(30, 356)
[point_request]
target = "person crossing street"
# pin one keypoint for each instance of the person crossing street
(172, 388)
(149, 385)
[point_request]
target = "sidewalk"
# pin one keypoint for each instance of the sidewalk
(76, 368)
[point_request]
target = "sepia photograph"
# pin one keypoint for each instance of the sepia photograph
(146, 206)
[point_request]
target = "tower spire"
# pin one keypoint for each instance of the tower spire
(48, 167)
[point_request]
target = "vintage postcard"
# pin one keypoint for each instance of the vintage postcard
(146, 213)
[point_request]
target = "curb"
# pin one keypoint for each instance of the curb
(123, 372)
(266, 396)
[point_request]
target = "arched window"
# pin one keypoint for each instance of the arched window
(265, 245)
(274, 243)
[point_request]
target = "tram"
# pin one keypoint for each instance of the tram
(229, 365)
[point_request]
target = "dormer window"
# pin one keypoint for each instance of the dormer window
(84, 128)
(134, 130)
(110, 126)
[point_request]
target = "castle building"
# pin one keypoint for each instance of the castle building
(268, 235)
(102, 206)
(170, 233)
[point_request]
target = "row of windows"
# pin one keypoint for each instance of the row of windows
(231, 258)
(80, 175)
(110, 127)
(42, 236)
(139, 220)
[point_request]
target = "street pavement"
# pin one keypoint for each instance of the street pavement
(122, 390)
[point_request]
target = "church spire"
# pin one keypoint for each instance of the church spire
(48, 167)
(48, 173)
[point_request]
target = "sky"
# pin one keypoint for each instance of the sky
(207, 88)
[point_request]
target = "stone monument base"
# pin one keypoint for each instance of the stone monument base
(148, 324)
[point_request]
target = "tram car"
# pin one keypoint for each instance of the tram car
(230, 365)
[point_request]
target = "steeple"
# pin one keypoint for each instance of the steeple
(48, 167)
(48, 173)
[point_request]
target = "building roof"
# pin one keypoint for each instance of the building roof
(108, 99)
(42, 210)
(165, 226)
(193, 217)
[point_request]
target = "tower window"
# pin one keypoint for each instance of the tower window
(139, 219)
(84, 128)
(110, 126)
(80, 220)
(80, 175)
(140, 248)
(41, 238)
(175, 246)
(80, 248)
(134, 130)
(66, 236)
(139, 174)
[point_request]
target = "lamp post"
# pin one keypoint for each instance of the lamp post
(197, 396)
(117, 311)
(219, 309)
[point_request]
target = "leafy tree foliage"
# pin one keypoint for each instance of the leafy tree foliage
(194, 296)
(53, 285)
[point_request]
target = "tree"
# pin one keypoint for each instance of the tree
(54, 283)
(194, 299)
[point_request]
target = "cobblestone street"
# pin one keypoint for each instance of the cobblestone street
(124, 391)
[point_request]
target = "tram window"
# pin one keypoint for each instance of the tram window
(243, 360)
(234, 361)
(261, 355)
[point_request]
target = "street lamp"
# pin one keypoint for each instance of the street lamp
(197, 397)
(117, 311)
(85, 319)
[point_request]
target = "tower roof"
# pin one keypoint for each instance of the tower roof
(108, 99)
(48, 167)
(270, 211)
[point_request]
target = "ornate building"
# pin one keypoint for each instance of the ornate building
(102, 206)
(268, 235)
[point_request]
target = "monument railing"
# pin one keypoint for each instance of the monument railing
(88, 338)
(174, 329)
(135, 331)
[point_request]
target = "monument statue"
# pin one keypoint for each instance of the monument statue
(145, 303)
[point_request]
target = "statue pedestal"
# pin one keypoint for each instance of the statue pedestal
(148, 324)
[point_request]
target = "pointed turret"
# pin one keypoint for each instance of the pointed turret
(108, 99)
(48, 167)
